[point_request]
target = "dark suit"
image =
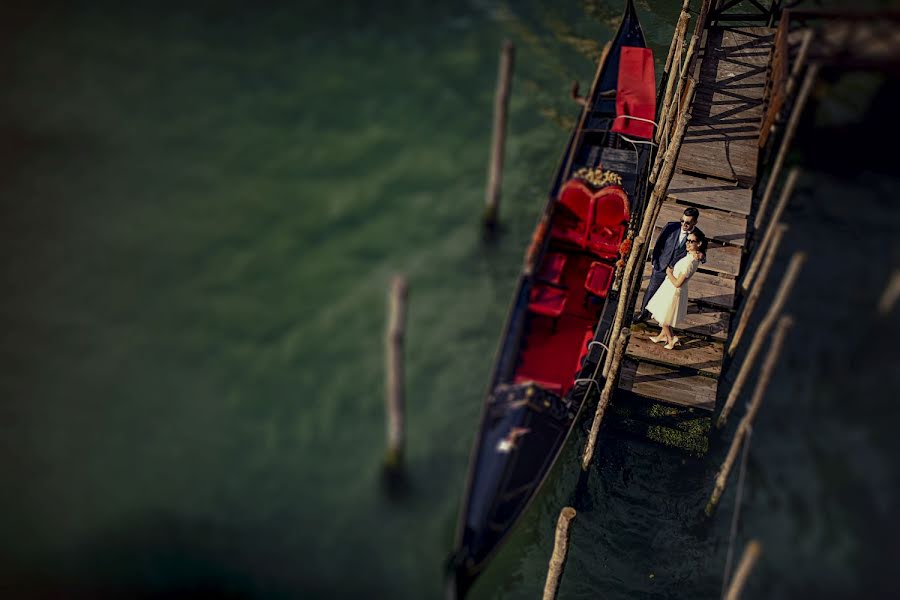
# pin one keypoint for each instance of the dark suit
(666, 253)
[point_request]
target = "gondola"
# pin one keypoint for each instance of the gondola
(557, 329)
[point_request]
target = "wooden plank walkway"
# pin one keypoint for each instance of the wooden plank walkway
(714, 173)
(723, 133)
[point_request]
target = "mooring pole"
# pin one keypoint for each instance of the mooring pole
(747, 421)
(786, 192)
(394, 342)
(605, 395)
(495, 170)
(560, 550)
(673, 61)
(761, 332)
(799, 105)
(748, 560)
(771, 250)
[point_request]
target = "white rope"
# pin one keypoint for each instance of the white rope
(737, 511)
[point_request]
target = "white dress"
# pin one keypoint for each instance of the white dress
(669, 304)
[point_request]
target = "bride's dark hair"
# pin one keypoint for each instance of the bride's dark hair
(704, 241)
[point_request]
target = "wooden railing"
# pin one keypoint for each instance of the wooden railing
(776, 83)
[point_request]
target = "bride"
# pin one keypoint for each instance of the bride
(669, 304)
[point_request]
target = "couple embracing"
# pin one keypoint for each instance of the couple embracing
(678, 253)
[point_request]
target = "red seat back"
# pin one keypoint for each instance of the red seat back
(576, 197)
(635, 93)
(610, 207)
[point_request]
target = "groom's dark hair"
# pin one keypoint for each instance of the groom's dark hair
(690, 211)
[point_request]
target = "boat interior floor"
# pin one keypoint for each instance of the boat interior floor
(553, 346)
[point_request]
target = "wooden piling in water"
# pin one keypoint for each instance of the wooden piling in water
(673, 61)
(770, 251)
(752, 552)
(787, 283)
(495, 170)
(685, 14)
(890, 295)
(395, 336)
(608, 388)
(799, 105)
(678, 103)
(786, 192)
(560, 550)
(784, 325)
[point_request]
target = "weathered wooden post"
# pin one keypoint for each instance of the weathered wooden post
(605, 395)
(495, 170)
(560, 550)
(673, 61)
(890, 294)
(684, 16)
(771, 250)
(394, 388)
(760, 251)
(761, 332)
(678, 103)
(722, 477)
(748, 561)
(799, 105)
(799, 63)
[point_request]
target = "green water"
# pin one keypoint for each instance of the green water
(201, 209)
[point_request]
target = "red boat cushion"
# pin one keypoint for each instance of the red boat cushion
(636, 93)
(547, 300)
(610, 221)
(573, 213)
(598, 279)
(552, 267)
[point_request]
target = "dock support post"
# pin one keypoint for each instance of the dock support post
(560, 550)
(799, 105)
(394, 342)
(770, 251)
(674, 61)
(760, 251)
(495, 170)
(684, 16)
(678, 104)
(748, 561)
(761, 332)
(890, 295)
(608, 387)
(747, 421)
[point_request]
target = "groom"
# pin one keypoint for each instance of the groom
(669, 249)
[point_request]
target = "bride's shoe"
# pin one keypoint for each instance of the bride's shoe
(657, 338)
(672, 344)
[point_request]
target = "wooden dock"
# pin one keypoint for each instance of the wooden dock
(715, 172)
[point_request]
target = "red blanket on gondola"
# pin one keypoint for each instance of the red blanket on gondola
(636, 93)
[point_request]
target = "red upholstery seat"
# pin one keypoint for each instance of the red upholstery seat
(547, 300)
(599, 279)
(635, 93)
(573, 213)
(552, 267)
(610, 221)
